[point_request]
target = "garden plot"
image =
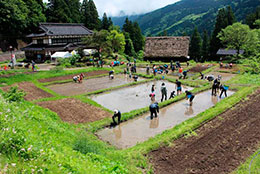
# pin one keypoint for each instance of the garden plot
(140, 129)
(32, 92)
(90, 85)
(220, 146)
(74, 111)
(68, 77)
(224, 76)
(134, 97)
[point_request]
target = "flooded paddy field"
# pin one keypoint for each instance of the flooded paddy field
(142, 128)
(134, 97)
(224, 76)
(90, 85)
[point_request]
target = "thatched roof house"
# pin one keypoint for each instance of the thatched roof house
(166, 48)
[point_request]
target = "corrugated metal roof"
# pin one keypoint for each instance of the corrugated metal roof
(229, 52)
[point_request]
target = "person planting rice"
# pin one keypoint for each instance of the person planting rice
(215, 87)
(135, 78)
(111, 74)
(152, 96)
(201, 76)
(223, 89)
(81, 76)
(117, 114)
(164, 92)
(153, 88)
(189, 96)
(185, 74)
(154, 108)
(75, 79)
(147, 69)
(172, 95)
(178, 86)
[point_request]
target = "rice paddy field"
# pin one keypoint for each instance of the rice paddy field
(62, 126)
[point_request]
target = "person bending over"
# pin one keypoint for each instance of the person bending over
(154, 108)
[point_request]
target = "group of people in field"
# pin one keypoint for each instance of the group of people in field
(164, 69)
(217, 87)
(78, 78)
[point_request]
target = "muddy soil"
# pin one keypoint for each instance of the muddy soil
(89, 85)
(32, 92)
(224, 76)
(234, 69)
(67, 77)
(140, 129)
(134, 97)
(220, 146)
(74, 111)
(199, 68)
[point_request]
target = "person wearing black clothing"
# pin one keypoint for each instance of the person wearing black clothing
(178, 86)
(172, 95)
(154, 108)
(164, 92)
(202, 76)
(153, 89)
(185, 74)
(215, 86)
(189, 96)
(147, 69)
(223, 89)
(117, 114)
(135, 78)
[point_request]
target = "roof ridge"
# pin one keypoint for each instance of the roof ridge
(61, 24)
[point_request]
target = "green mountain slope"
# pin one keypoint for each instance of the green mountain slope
(184, 15)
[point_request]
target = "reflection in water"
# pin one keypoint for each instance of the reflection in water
(214, 99)
(154, 123)
(118, 132)
(189, 110)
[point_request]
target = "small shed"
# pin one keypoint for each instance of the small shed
(167, 48)
(61, 54)
(228, 52)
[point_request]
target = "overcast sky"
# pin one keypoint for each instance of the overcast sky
(129, 7)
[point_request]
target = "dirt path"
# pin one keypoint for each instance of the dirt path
(220, 147)
(32, 92)
(87, 74)
(75, 111)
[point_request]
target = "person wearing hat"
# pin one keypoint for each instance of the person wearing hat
(117, 114)
(164, 92)
(178, 86)
(154, 108)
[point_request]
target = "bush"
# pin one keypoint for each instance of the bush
(56, 69)
(83, 145)
(14, 95)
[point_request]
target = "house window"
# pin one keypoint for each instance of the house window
(39, 41)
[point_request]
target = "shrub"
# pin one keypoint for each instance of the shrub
(57, 69)
(14, 95)
(83, 145)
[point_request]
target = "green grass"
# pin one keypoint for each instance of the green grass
(251, 165)
(58, 147)
(44, 74)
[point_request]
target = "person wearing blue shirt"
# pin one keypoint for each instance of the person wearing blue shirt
(154, 108)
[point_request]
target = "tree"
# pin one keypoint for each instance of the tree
(105, 23)
(225, 17)
(137, 37)
(110, 22)
(117, 41)
(58, 11)
(92, 15)
(99, 40)
(74, 6)
(238, 36)
(205, 46)
(36, 13)
(165, 33)
(195, 45)
(129, 47)
(251, 18)
(230, 16)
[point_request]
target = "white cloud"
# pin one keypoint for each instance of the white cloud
(113, 7)
(129, 7)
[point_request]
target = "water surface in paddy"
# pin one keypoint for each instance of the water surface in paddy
(140, 129)
(134, 97)
(90, 85)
